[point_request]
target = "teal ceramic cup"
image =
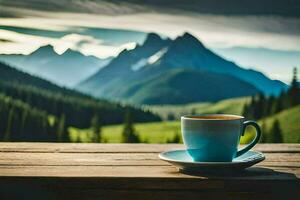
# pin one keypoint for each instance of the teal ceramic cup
(215, 138)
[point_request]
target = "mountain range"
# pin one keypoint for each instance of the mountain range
(66, 69)
(183, 70)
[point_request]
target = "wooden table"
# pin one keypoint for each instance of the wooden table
(133, 171)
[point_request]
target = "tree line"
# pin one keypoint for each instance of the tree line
(21, 122)
(262, 106)
(78, 111)
(33, 109)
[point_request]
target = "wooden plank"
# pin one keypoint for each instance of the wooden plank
(254, 173)
(139, 188)
(133, 171)
(85, 147)
(121, 148)
(82, 159)
(114, 159)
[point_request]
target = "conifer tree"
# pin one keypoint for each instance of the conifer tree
(24, 121)
(294, 91)
(9, 125)
(61, 128)
(129, 135)
(259, 108)
(278, 104)
(96, 128)
(264, 137)
(170, 116)
(276, 132)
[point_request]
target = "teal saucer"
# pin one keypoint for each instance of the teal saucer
(184, 161)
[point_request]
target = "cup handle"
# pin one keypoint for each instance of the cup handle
(254, 141)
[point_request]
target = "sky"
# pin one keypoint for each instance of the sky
(267, 31)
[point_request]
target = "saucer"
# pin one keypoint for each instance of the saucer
(184, 161)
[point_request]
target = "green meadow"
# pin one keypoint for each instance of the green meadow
(229, 106)
(161, 132)
(157, 132)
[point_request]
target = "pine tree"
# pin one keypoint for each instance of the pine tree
(129, 135)
(245, 110)
(250, 108)
(24, 121)
(9, 125)
(278, 104)
(170, 117)
(61, 128)
(193, 111)
(264, 138)
(294, 91)
(268, 106)
(96, 128)
(259, 108)
(276, 132)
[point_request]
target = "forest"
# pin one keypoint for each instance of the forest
(33, 109)
(262, 106)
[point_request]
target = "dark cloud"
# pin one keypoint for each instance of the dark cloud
(290, 8)
(227, 7)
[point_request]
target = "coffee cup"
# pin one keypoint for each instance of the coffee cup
(215, 137)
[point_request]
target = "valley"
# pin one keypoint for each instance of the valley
(162, 132)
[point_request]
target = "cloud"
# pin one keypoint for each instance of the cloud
(74, 41)
(124, 7)
(88, 45)
(215, 31)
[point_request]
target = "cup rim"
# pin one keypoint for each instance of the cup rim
(194, 117)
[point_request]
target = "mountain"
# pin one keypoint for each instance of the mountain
(66, 69)
(126, 63)
(197, 56)
(271, 61)
(181, 86)
(141, 78)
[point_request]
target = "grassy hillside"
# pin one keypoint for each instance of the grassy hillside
(161, 132)
(198, 86)
(149, 132)
(289, 123)
(232, 106)
(156, 132)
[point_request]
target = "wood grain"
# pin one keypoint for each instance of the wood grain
(121, 148)
(117, 159)
(134, 171)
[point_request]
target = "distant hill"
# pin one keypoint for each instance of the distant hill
(77, 108)
(228, 106)
(289, 123)
(181, 86)
(130, 76)
(66, 69)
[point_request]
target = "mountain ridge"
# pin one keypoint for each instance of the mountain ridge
(181, 86)
(66, 69)
(122, 65)
(184, 52)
